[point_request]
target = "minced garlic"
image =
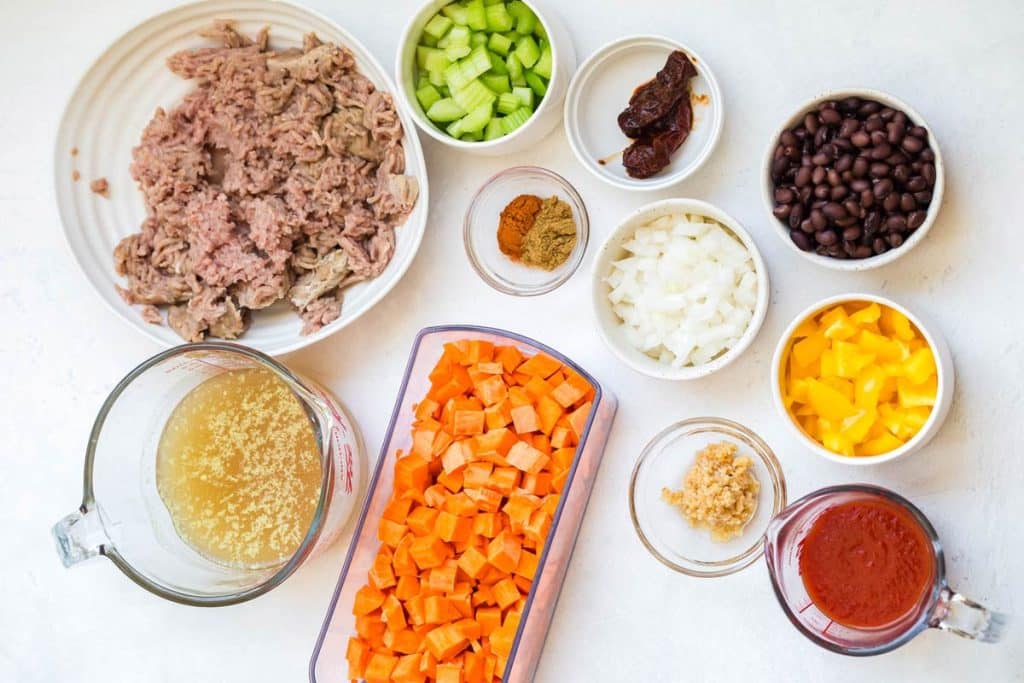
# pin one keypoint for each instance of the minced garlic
(719, 492)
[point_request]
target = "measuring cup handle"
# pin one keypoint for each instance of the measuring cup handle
(79, 536)
(968, 619)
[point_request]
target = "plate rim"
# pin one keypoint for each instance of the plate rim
(381, 80)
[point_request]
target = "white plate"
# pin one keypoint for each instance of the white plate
(116, 99)
(602, 88)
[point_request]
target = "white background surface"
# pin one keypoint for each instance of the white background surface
(622, 616)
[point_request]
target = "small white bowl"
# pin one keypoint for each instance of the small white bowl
(943, 399)
(536, 128)
(767, 187)
(609, 323)
(602, 88)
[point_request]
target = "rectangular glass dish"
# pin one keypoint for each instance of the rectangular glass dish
(328, 663)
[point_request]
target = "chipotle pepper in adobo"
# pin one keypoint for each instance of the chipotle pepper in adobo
(658, 118)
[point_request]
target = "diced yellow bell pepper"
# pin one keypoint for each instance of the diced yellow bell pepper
(867, 315)
(808, 350)
(837, 443)
(878, 445)
(843, 386)
(832, 315)
(920, 366)
(885, 348)
(895, 323)
(805, 329)
(841, 329)
(850, 360)
(798, 390)
(829, 366)
(888, 393)
(828, 401)
(868, 386)
(912, 395)
(857, 426)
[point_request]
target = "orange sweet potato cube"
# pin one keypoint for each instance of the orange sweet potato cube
(357, 654)
(503, 552)
(487, 524)
(380, 666)
(506, 593)
(468, 422)
(453, 482)
(460, 504)
(429, 551)
(498, 441)
(527, 566)
(578, 418)
(509, 356)
(504, 479)
(412, 472)
(489, 619)
(392, 613)
(492, 390)
(537, 387)
(455, 456)
(562, 437)
(408, 670)
(567, 394)
(472, 562)
(524, 419)
(487, 500)
(421, 520)
(537, 484)
(498, 415)
(407, 587)
(476, 474)
(451, 527)
(436, 609)
(540, 365)
(444, 642)
(524, 457)
(381, 574)
(548, 412)
(391, 533)
(368, 599)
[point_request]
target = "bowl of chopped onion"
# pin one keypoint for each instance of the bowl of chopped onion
(679, 289)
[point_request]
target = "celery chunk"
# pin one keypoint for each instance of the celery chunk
(494, 129)
(473, 95)
(543, 65)
(478, 39)
(515, 119)
(527, 51)
(525, 96)
(457, 13)
(476, 15)
(499, 44)
(477, 119)
(456, 52)
(427, 95)
(508, 103)
(497, 64)
(515, 67)
(438, 26)
(445, 110)
(536, 83)
(526, 20)
(498, 18)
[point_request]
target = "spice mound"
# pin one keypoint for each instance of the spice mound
(659, 117)
(539, 233)
(719, 492)
(280, 176)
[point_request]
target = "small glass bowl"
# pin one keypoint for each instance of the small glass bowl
(664, 530)
(480, 229)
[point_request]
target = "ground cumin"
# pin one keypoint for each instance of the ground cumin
(516, 220)
(552, 238)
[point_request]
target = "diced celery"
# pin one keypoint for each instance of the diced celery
(437, 79)
(422, 53)
(527, 51)
(443, 89)
(494, 129)
(515, 119)
(497, 64)
(454, 128)
(508, 103)
(457, 13)
(488, 3)
(445, 110)
(476, 63)
(515, 67)
(498, 18)
(497, 83)
(458, 36)
(536, 83)
(543, 65)
(456, 78)
(427, 95)
(526, 20)
(525, 95)
(455, 52)
(477, 119)
(476, 136)
(540, 31)
(520, 82)
(438, 26)
(428, 41)
(473, 96)
(499, 44)
(476, 15)
(478, 38)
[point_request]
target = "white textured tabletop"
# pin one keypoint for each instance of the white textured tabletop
(622, 615)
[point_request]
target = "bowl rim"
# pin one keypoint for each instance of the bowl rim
(416, 111)
(944, 374)
(854, 265)
(411, 143)
(599, 299)
(760, 448)
(572, 100)
(572, 264)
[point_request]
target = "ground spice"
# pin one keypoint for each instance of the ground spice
(552, 238)
(516, 220)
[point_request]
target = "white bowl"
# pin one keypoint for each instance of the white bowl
(540, 123)
(943, 399)
(116, 99)
(782, 230)
(602, 88)
(609, 323)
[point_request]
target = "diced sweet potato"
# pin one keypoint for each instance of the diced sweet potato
(408, 670)
(429, 551)
(444, 642)
(380, 667)
(525, 457)
(472, 562)
(524, 419)
(506, 593)
(368, 599)
(541, 365)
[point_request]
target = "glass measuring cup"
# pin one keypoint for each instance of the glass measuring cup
(122, 516)
(940, 607)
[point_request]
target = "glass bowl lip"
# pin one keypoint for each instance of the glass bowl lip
(89, 498)
(939, 567)
(760, 448)
(562, 274)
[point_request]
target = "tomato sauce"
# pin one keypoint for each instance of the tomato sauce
(866, 563)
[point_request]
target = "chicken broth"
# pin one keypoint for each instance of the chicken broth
(239, 469)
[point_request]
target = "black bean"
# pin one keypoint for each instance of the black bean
(805, 194)
(862, 251)
(788, 138)
(779, 167)
(874, 122)
(818, 220)
(867, 198)
(859, 185)
(826, 237)
(830, 117)
(846, 176)
(838, 192)
(819, 137)
(891, 203)
(927, 155)
(897, 158)
(803, 176)
(842, 145)
(887, 113)
(818, 175)
(912, 144)
(882, 188)
(848, 128)
(901, 173)
(895, 131)
(880, 151)
(850, 104)
(793, 152)
(833, 177)
(805, 226)
(844, 163)
(894, 239)
(860, 139)
(907, 203)
(829, 150)
(834, 211)
(801, 240)
(919, 132)
(784, 195)
(796, 215)
(923, 198)
(916, 219)
(928, 173)
(849, 248)
(782, 211)
(879, 246)
(852, 233)
(900, 117)
(879, 170)
(822, 191)
(849, 220)
(917, 183)
(860, 167)
(868, 108)
(820, 159)
(853, 207)
(872, 222)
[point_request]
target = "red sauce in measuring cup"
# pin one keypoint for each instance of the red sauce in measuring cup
(866, 563)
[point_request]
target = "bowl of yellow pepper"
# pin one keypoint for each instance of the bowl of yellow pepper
(862, 380)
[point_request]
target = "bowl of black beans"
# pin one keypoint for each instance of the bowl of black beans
(854, 179)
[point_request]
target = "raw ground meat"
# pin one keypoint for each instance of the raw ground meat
(281, 176)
